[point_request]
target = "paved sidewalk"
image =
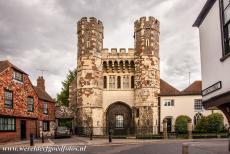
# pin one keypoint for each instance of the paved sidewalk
(26, 143)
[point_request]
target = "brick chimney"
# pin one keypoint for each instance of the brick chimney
(41, 83)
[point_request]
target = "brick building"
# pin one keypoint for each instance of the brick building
(21, 104)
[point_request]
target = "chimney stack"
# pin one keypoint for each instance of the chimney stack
(41, 83)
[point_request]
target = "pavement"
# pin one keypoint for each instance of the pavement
(101, 145)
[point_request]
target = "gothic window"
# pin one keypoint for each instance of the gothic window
(197, 118)
(110, 65)
(118, 82)
(121, 65)
(125, 82)
(111, 82)
(115, 66)
(137, 113)
(87, 44)
(105, 82)
(147, 42)
(198, 104)
(119, 121)
(132, 65)
(104, 66)
(132, 82)
(127, 65)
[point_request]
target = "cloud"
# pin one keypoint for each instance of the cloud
(41, 34)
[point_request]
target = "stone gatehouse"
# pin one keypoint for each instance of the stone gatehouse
(117, 88)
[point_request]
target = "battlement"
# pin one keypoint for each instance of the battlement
(118, 51)
(92, 22)
(146, 22)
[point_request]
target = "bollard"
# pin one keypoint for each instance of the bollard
(189, 127)
(165, 131)
(91, 135)
(31, 139)
(184, 148)
(110, 135)
(42, 138)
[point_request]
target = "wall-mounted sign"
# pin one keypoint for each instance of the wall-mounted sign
(212, 88)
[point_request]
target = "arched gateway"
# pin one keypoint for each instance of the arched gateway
(119, 118)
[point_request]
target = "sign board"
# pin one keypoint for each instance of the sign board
(212, 88)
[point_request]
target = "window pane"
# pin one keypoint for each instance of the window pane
(119, 121)
(18, 76)
(227, 14)
(225, 3)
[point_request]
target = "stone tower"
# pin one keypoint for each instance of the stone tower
(89, 73)
(147, 74)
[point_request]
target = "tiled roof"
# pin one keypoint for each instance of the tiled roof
(167, 90)
(193, 89)
(43, 95)
(5, 64)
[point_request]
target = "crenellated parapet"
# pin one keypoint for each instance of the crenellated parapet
(118, 51)
(91, 22)
(146, 23)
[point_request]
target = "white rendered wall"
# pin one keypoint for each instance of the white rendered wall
(213, 70)
(183, 105)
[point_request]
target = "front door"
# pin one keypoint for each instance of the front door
(169, 124)
(23, 129)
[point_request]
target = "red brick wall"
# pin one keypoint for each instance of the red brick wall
(51, 111)
(20, 93)
(16, 135)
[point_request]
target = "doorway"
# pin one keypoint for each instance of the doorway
(169, 124)
(23, 129)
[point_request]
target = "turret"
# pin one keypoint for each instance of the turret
(89, 72)
(147, 73)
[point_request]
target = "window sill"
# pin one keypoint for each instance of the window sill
(7, 130)
(225, 57)
(18, 81)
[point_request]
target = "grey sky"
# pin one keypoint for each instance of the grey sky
(41, 34)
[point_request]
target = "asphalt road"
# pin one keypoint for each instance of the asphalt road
(210, 147)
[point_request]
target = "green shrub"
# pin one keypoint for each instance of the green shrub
(202, 125)
(212, 123)
(215, 122)
(181, 124)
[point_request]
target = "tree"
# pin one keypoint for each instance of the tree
(181, 124)
(62, 97)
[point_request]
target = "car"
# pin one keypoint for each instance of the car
(62, 131)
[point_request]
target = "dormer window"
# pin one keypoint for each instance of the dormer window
(18, 76)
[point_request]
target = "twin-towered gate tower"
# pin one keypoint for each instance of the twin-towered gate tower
(117, 89)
